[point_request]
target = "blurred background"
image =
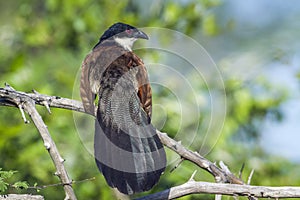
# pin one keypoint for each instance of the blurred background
(255, 46)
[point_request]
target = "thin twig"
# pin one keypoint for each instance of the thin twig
(22, 113)
(59, 184)
(177, 165)
(241, 171)
(218, 197)
(193, 175)
(250, 177)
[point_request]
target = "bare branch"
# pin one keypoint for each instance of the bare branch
(28, 104)
(222, 174)
(21, 197)
(8, 97)
(219, 174)
(193, 187)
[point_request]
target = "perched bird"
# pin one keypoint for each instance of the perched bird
(127, 149)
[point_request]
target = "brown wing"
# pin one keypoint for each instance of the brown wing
(93, 67)
(87, 96)
(144, 89)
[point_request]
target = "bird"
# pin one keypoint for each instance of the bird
(115, 88)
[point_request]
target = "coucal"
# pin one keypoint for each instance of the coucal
(127, 149)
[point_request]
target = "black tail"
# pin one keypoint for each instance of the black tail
(131, 160)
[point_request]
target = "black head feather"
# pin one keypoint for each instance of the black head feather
(121, 30)
(116, 29)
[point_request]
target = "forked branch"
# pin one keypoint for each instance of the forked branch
(27, 103)
(222, 175)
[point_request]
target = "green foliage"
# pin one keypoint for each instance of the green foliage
(42, 46)
(21, 185)
(3, 176)
(5, 184)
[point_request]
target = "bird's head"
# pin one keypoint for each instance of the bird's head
(123, 34)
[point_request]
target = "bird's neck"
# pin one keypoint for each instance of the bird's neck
(126, 43)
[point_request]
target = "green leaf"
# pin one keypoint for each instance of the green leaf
(3, 185)
(21, 185)
(6, 174)
(36, 187)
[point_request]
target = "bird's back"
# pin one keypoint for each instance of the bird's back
(127, 149)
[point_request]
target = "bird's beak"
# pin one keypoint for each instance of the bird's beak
(141, 34)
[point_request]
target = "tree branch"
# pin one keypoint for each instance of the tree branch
(21, 197)
(59, 102)
(10, 97)
(193, 187)
(220, 175)
(23, 101)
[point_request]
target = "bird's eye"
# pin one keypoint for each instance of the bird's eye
(128, 31)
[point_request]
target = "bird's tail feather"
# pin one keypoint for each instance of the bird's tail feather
(131, 160)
